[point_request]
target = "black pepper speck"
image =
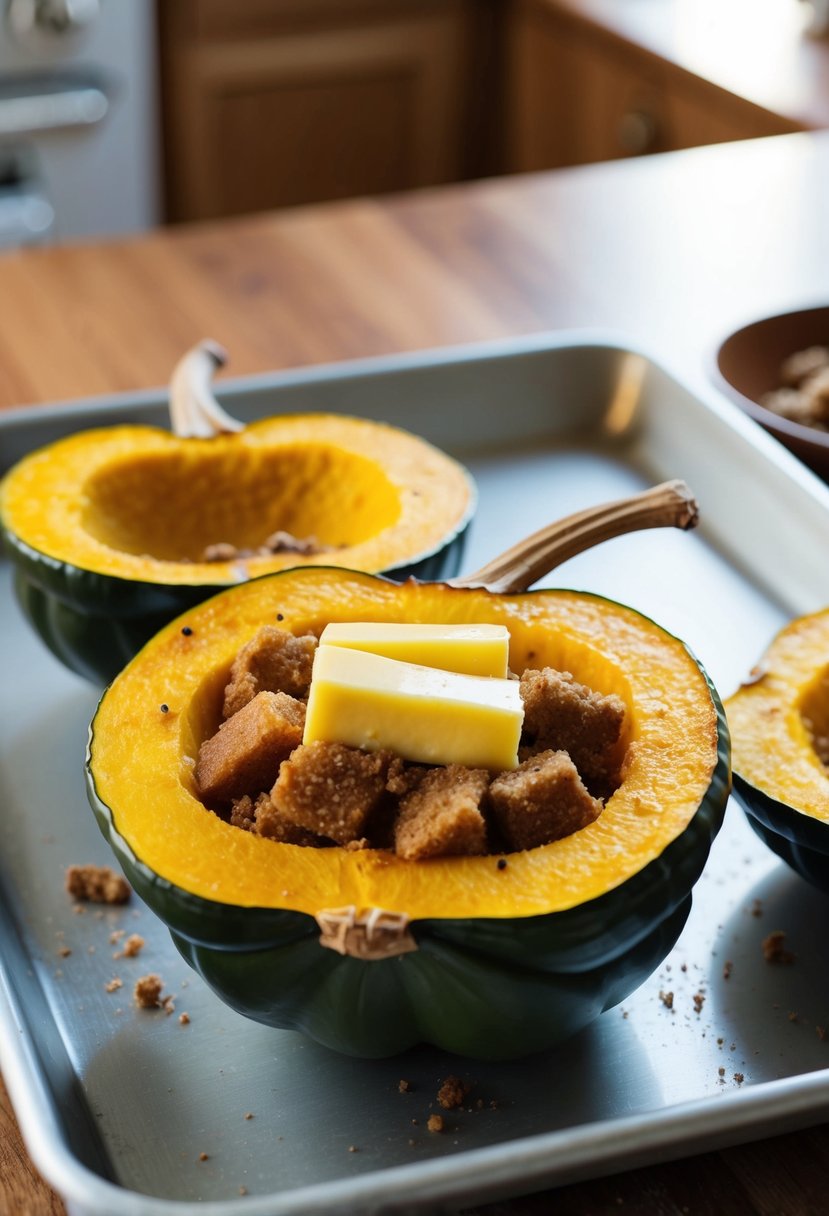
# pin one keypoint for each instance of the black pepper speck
(165, 709)
(186, 630)
(280, 617)
(502, 863)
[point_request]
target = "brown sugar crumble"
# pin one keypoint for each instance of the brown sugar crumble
(245, 754)
(728, 967)
(273, 661)
(542, 800)
(256, 773)
(699, 1001)
(184, 1019)
(132, 947)
(147, 992)
(442, 816)
(435, 1123)
(774, 950)
(403, 1087)
(97, 884)
(803, 394)
(113, 985)
(452, 1093)
(667, 999)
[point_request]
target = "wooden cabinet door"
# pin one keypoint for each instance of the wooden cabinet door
(575, 95)
(354, 102)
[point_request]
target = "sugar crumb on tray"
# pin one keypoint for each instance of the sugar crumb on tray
(132, 947)
(452, 1092)
(97, 884)
(147, 992)
(774, 950)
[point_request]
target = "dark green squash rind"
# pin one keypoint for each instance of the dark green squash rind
(547, 976)
(799, 839)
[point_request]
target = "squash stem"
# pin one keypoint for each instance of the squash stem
(194, 411)
(668, 505)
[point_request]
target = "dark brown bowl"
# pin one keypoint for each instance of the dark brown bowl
(748, 365)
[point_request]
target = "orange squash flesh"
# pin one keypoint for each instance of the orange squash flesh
(142, 758)
(142, 504)
(774, 718)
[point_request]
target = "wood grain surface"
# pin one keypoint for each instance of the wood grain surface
(669, 253)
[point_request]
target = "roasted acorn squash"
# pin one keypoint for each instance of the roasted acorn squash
(107, 528)
(779, 722)
(480, 958)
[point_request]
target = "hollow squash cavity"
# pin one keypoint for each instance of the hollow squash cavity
(173, 505)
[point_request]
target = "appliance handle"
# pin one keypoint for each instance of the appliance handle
(52, 110)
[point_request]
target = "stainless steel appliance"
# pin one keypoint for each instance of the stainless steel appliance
(79, 144)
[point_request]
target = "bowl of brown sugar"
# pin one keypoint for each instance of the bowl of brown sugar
(777, 370)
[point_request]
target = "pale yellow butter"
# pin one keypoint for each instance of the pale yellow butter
(420, 713)
(477, 650)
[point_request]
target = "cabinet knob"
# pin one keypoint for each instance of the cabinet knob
(637, 132)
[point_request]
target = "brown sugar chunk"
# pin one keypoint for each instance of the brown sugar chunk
(271, 822)
(244, 755)
(542, 800)
(330, 789)
(816, 391)
(147, 992)
(803, 364)
(442, 815)
(97, 884)
(272, 661)
(562, 715)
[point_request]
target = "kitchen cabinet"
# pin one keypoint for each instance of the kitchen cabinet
(270, 104)
(574, 94)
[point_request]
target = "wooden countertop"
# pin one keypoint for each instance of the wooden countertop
(670, 253)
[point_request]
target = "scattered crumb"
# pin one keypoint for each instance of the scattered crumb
(452, 1092)
(113, 985)
(116, 935)
(184, 1019)
(757, 907)
(667, 999)
(147, 992)
(243, 1190)
(721, 1071)
(403, 1086)
(774, 950)
(727, 969)
(699, 1001)
(168, 1005)
(132, 947)
(435, 1123)
(248, 1115)
(97, 884)
(352, 1148)
(64, 951)
(204, 1157)
(739, 1077)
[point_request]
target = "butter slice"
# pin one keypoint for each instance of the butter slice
(420, 713)
(477, 650)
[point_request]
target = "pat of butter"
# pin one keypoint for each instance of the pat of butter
(420, 713)
(477, 650)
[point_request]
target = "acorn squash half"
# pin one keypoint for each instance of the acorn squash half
(364, 951)
(107, 529)
(779, 721)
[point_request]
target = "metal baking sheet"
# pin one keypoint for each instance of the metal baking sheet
(118, 1105)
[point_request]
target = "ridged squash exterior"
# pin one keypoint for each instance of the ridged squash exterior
(509, 959)
(778, 719)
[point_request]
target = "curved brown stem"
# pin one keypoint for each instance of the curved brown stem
(194, 411)
(668, 505)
